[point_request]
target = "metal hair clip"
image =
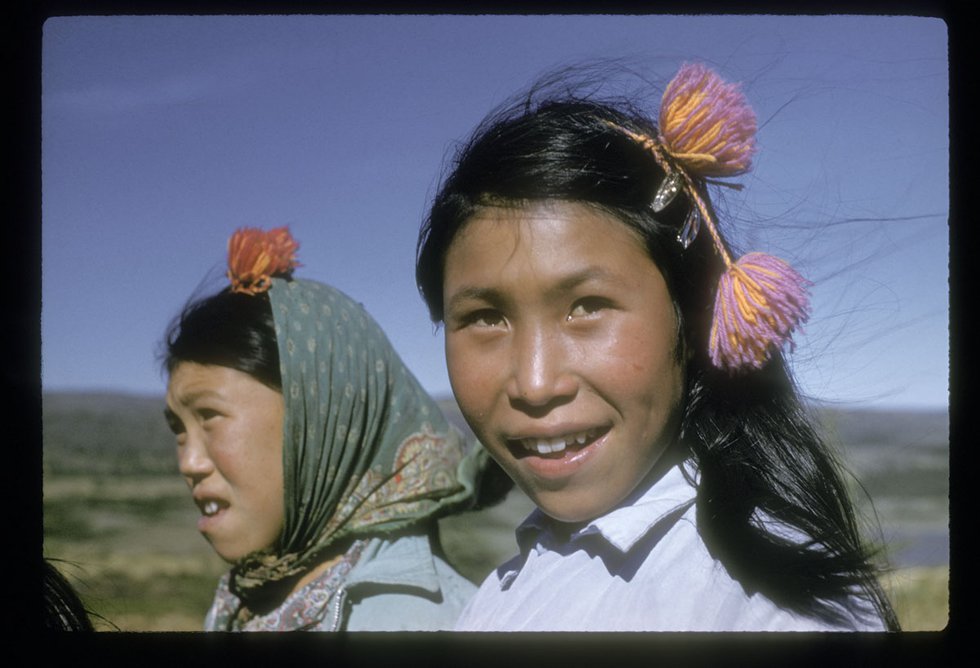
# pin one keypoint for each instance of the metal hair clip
(689, 232)
(671, 185)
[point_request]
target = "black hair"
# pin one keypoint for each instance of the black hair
(63, 608)
(760, 458)
(227, 329)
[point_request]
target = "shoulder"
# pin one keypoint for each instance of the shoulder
(664, 580)
(400, 585)
(705, 593)
(223, 607)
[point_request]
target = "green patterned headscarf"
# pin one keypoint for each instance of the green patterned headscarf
(366, 450)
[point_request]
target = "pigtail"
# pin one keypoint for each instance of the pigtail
(772, 501)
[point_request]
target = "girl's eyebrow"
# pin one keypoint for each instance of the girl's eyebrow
(586, 275)
(565, 284)
(195, 395)
(473, 293)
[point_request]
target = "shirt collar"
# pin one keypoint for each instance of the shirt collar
(405, 561)
(625, 525)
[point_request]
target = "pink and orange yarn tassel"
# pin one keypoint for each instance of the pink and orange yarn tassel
(707, 129)
(759, 302)
(706, 125)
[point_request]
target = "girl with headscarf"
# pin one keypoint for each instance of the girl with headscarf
(319, 464)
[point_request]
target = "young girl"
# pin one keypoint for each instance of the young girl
(318, 463)
(624, 367)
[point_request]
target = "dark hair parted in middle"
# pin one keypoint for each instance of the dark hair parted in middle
(751, 436)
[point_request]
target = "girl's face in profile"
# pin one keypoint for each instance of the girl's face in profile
(561, 344)
(229, 450)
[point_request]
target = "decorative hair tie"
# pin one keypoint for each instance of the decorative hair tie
(707, 129)
(256, 256)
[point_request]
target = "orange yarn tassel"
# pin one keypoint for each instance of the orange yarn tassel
(256, 256)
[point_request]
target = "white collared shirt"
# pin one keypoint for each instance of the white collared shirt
(641, 567)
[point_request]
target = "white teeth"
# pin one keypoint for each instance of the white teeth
(556, 444)
(210, 508)
(544, 446)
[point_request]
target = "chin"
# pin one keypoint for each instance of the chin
(569, 509)
(229, 554)
(226, 556)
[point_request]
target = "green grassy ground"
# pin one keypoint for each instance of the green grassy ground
(129, 546)
(920, 597)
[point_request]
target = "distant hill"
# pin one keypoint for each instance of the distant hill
(105, 433)
(877, 428)
(901, 459)
(100, 432)
(122, 433)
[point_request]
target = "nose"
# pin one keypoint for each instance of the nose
(193, 461)
(539, 375)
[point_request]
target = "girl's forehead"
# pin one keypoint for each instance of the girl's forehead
(545, 249)
(565, 227)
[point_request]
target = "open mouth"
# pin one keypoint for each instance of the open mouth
(556, 447)
(211, 507)
(211, 514)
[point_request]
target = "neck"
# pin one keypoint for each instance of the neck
(315, 572)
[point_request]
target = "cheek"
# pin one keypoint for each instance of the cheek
(248, 459)
(647, 370)
(266, 465)
(469, 375)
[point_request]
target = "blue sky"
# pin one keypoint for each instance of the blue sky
(161, 135)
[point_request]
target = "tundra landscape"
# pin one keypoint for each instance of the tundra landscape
(119, 523)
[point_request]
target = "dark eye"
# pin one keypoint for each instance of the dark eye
(176, 426)
(487, 318)
(208, 414)
(587, 306)
(173, 423)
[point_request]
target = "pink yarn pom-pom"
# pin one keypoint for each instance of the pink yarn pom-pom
(707, 124)
(760, 301)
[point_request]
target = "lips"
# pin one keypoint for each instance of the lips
(556, 445)
(211, 508)
(559, 444)
(555, 458)
(209, 505)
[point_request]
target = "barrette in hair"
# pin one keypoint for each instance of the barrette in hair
(707, 130)
(256, 256)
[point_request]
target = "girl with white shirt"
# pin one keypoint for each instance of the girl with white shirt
(625, 367)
